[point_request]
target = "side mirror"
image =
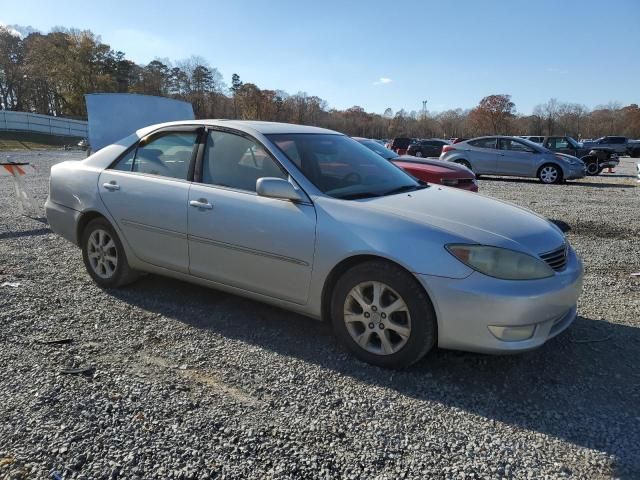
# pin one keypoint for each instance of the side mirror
(277, 188)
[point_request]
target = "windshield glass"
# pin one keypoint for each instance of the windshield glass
(379, 149)
(573, 142)
(341, 167)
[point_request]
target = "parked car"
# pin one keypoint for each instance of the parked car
(314, 222)
(621, 145)
(457, 140)
(432, 171)
(431, 147)
(595, 158)
(400, 145)
(514, 156)
(534, 139)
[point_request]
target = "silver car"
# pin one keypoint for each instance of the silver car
(513, 156)
(312, 221)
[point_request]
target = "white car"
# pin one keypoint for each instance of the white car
(314, 222)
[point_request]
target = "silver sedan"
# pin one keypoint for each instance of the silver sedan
(312, 221)
(517, 157)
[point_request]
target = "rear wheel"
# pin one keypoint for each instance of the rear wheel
(464, 163)
(550, 174)
(418, 153)
(103, 255)
(381, 313)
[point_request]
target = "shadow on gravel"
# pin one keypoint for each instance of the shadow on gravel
(582, 387)
(26, 233)
(570, 183)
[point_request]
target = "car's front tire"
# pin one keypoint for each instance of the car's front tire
(550, 173)
(383, 315)
(104, 256)
(593, 168)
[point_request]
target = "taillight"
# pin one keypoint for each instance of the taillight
(448, 148)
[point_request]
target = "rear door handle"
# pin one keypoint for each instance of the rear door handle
(201, 203)
(111, 186)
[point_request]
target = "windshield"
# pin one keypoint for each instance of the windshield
(379, 149)
(341, 167)
(573, 142)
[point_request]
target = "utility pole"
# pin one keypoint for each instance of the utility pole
(424, 109)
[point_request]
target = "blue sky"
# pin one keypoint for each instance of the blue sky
(380, 54)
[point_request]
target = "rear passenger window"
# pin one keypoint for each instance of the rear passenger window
(237, 162)
(484, 143)
(168, 155)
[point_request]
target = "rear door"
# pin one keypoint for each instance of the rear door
(146, 192)
(516, 158)
(483, 155)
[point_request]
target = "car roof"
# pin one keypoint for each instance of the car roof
(264, 128)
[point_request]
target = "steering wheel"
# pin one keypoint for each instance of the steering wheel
(353, 175)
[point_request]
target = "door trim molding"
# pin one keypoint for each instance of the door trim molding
(262, 253)
(151, 228)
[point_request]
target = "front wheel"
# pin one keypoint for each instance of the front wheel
(383, 315)
(104, 256)
(550, 174)
(592, 168)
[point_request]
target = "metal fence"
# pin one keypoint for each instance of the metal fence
(34, 122)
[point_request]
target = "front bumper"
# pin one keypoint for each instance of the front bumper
(575, 171)
(465, 308)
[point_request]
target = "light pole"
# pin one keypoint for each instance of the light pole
(424, 109)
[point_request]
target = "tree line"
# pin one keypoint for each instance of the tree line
(50, 73)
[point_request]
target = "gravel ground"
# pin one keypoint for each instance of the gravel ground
(195, 383)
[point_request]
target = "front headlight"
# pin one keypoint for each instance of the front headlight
(500, 262)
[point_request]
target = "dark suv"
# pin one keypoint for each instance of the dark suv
(427, 148)
(595, 157)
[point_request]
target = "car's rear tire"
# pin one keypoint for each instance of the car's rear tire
(464, 163)
(418, 154)
(383, 315)
(550, 173)
(104, 256)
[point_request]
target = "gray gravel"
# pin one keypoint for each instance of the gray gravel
(194, 383)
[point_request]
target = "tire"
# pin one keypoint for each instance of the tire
(550, 173)
(592, 168)
(418, 154)
(464, 163)
(409, 333)
(103, 255)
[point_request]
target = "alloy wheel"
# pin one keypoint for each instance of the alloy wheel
(418, 154)
(102, 253)
(549, 174)
(377, 318)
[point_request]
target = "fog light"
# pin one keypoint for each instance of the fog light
(512, 334)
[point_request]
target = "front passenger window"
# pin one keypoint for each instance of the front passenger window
(237, 162)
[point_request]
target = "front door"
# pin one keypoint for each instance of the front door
(263, 245)
(516, 158)
(147, 192)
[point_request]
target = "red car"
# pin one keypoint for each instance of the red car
(432, 171)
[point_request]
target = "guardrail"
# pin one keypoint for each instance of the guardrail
(35, 122)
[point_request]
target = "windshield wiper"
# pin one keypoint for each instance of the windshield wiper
(405, 188)
(355, 196)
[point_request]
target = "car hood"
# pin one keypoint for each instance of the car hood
(472, 218)
(565, 156)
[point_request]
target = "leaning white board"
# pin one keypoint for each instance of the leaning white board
(113, 116)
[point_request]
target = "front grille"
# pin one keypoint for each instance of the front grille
(556, 259)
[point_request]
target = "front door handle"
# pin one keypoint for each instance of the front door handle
(111, 186)
(201, 203)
